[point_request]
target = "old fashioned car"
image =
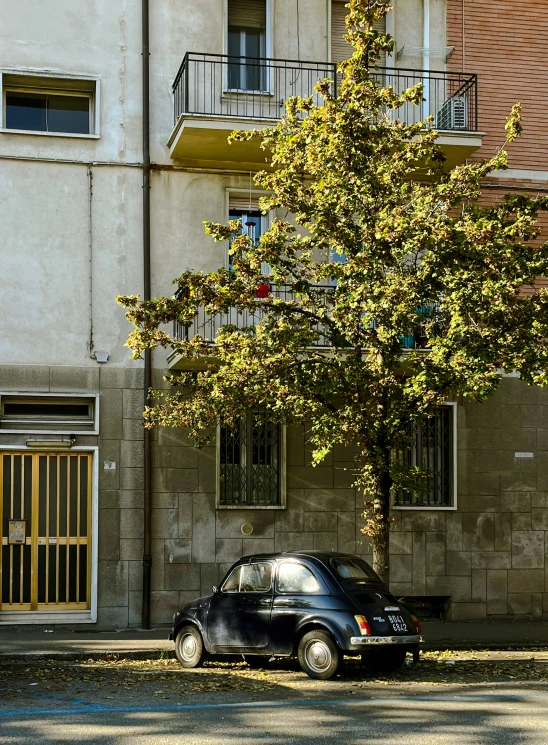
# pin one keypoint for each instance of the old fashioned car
(317, 605)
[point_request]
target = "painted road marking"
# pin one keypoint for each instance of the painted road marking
(103, 709)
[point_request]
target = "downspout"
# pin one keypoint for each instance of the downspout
(426, 55)
(147, 441)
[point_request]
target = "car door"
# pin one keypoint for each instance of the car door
(239, 614)
(299, 594)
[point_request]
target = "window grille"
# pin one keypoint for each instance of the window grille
(250, 462)
(432, 452)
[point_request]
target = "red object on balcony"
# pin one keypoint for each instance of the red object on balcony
(263, 290)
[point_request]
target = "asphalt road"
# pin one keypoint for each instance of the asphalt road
(464, 703)
(508, 716)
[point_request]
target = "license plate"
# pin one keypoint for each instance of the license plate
(397, 622)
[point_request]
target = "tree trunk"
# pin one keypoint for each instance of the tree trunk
(381, 538)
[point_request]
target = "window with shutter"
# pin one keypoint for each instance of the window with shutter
(341, 49)
(247, 45)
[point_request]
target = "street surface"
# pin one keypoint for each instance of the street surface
(450, 699)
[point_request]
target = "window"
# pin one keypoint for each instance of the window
(250, 463)
(254, 223)
(233, 582)
(353, 569)
(256, 577)
(47, 413)
(432, 451)
(247, 45)
(340, 48)
(35, 103)
(296, 578)
(250, 578)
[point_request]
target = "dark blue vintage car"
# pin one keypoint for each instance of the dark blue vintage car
(317, 605)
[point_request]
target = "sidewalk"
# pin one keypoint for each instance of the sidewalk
(136, 643)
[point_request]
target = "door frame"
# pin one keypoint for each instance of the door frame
(27, 617)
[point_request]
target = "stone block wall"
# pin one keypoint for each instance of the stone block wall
(489, 554)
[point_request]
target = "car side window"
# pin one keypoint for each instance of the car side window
(232, 584)
(297, 578)
(256, 577)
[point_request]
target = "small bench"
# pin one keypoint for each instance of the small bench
(428, 607)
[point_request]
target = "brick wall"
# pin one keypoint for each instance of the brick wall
(505, 44)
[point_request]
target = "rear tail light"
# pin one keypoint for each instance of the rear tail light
(417, 624)
(365, 629)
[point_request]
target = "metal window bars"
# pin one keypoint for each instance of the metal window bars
(250, 462)
(248, 88)
(432, 452)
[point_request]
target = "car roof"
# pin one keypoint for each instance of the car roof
(322, 556)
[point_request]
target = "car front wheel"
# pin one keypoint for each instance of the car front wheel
(318, 655)
(189, 647)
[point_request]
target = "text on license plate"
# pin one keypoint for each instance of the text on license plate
(398, 624)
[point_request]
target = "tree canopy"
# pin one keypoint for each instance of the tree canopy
(391, 289)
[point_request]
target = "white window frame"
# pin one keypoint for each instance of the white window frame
(268, 46)
(11, 618)
(453, 506)
(62, 430)
(47, 88)
(283, 477)
(252, 195)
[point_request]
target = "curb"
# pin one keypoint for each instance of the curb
(159, 654)
(75, 656)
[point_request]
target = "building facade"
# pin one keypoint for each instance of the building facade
(72, 463)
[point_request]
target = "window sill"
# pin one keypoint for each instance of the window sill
(250, 507)
(47, 134)
(244, 92)
(424, 508)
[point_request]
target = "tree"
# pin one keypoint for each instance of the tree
(384, 242)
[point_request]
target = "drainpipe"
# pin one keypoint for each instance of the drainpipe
(426, 55)
(147, 442)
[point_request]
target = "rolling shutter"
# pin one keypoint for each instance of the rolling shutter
(243, 203)
(340, 49)
(247, 13)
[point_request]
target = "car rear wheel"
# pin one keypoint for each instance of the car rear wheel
(385, 660)
(189, 647)
(318, 655)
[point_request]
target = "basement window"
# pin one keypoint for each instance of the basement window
(47, 105)
(47, 413)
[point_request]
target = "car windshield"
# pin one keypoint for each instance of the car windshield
(354, 569)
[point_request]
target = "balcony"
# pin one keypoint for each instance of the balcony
(207, 325)
(215, 94)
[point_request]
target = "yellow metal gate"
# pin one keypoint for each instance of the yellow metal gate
(45, 518)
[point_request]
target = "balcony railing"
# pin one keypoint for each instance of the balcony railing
(222, 86)
(207, 325)
(218, 85)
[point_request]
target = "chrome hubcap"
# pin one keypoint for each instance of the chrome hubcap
(188, 647)
(318, 656)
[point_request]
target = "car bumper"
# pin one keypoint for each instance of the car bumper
(369, 641)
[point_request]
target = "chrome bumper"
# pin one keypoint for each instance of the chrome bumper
(359, 641)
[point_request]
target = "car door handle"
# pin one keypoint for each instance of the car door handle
(265, 601)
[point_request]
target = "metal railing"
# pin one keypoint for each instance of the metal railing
(451, 98)
(243, 87)
(207, 325)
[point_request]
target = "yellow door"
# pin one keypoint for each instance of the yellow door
(45, 518)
